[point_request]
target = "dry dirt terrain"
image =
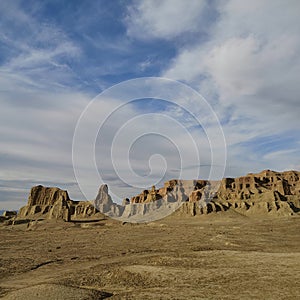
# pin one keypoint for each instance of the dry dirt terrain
(217, 256)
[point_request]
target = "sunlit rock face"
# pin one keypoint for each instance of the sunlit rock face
(268, 192)
(54, 203)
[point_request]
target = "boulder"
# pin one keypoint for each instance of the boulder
(9, 213)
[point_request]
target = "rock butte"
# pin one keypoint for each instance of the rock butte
(268, 192)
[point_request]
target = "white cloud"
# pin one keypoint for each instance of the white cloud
(164, 19)
(248, 67)
(251, 65)
(38, 111)
(35, 50)
(143, 139)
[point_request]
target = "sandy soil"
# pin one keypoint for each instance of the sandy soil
(222, 256)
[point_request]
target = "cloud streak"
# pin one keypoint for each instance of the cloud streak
(249, 69)
(159, 19)
(243, 57)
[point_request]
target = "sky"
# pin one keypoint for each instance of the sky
(56, 57)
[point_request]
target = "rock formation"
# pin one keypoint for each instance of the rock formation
(9, 213)
(125, 201)
(268, 192)
(54, 203)
(49, 201)
(103, 200)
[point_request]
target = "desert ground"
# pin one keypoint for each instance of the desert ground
(217, 256)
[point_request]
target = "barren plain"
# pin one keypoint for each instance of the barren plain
(218, 256)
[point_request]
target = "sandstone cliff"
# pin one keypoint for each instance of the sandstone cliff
(272, 192)
(268, 192)
(54, 203)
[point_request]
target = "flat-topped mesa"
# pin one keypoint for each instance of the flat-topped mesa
(54, 203)
(40, 195)
(50, 201)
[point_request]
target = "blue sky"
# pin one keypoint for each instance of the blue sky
(56, 56)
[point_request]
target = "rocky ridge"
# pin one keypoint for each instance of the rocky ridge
(271, 192)
(54, 203)
(268, 192)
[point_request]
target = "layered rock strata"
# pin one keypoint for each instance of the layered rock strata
(267, 192)
(54, 203)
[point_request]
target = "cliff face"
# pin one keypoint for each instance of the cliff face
(243, 188)
(49, 201)
(265, 192)
(40, 195)
(240, 188)
(54, 203)
(268, 192)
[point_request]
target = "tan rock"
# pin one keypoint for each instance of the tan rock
(268, 192)
(9, 213)
(265, 192)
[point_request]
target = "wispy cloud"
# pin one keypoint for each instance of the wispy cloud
(243, 57)
(36, 52)
(247, 68)
(159, 19)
